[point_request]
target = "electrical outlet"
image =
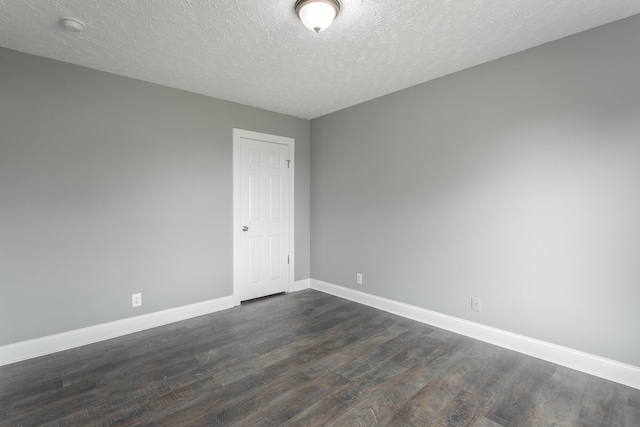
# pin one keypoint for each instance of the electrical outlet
(358, 278)
(475, 304)
(136, 300)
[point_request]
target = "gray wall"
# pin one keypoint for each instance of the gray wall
(110, 186)
(517, 181)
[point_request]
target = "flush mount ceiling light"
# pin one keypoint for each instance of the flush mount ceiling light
(72, 24)
(317, 15)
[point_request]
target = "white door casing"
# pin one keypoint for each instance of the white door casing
(263, 193)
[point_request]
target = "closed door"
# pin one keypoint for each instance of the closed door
(264, 252)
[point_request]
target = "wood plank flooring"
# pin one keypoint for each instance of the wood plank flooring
(305, 359)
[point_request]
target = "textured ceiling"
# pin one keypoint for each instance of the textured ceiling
(256, 52)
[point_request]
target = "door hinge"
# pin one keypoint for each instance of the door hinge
(288, 164)
(288, 259)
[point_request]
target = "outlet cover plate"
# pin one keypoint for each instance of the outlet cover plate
(476, 304)
(136, 300)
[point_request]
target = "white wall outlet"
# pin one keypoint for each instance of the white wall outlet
(358, 278)
(136, 300)
(476, 304)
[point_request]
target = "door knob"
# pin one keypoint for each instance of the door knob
(245, 228)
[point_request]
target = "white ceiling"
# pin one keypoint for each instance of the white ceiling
(256, 52)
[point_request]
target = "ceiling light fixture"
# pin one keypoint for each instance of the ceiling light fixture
(72, 25)
(317, 15)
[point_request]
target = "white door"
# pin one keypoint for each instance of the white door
(263, 216)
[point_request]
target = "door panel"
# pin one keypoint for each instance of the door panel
(275, 198)
(275, 257)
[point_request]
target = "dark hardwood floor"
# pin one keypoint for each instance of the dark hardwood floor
(305, 359)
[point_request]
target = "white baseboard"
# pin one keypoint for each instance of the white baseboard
(300, 285)
(594, 365)
(53, 343)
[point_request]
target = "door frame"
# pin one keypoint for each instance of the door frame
(237, 232)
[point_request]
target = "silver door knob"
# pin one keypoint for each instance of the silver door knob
(245, 228)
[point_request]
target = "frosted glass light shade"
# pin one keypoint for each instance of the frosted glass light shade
(72, 25)
(317, 15)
